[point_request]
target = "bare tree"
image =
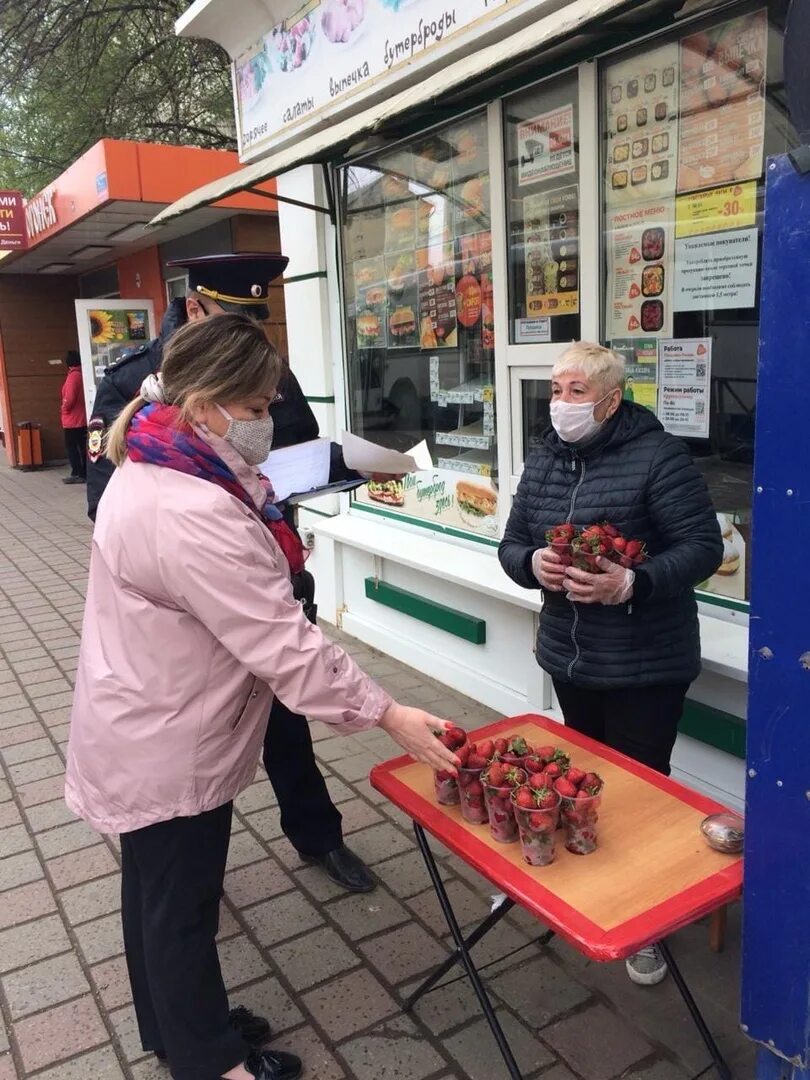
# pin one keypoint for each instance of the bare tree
(75, 71)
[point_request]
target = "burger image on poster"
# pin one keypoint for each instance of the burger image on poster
(478, 506)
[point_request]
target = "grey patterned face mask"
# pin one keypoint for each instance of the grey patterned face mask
(251, 439)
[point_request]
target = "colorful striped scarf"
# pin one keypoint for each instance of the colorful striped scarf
(158, 436)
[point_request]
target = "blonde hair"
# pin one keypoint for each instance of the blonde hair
(598, 364)
(222, 358)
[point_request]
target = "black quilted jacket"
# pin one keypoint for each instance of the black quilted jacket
(643, 481)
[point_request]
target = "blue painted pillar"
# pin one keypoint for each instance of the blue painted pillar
(776, 917)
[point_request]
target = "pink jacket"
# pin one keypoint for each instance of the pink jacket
(190, 628)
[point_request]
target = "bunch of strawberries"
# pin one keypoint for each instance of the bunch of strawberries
(506, 781)
(583, 547)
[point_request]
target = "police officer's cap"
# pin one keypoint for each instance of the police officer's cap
(236, 282)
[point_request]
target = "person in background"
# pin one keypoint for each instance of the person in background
(623, 645)
(219, 284)
(74, 419)
(190, 629)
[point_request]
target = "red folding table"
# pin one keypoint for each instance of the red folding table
(652, 873)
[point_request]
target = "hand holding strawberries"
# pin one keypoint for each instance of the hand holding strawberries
(549, 569)
(414, 730)
(612, 585)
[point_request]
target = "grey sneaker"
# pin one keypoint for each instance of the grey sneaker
(648, 967)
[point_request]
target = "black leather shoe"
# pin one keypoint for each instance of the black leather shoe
(274, 1065)
(254, 1029)
(345, 869)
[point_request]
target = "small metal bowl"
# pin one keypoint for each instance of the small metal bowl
(724, 832)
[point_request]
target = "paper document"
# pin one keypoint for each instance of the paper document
(296, 469)
(366, 457)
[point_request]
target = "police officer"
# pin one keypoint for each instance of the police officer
(220, 283)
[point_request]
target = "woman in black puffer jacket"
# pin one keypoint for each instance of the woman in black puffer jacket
(622, 647)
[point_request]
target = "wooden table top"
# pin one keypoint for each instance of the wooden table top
(651, 874)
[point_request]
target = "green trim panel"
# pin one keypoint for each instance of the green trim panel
(722, 601)
(304, 277)
(329, 400)
(442, 617)
(714, 727)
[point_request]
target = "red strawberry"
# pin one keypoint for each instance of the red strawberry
(519, 746)
(533, 764)
(475, 788)
(561, 758)
(565, 788)
(524, 798)
(545, 752)
(554, 770)
(575, 776)
(595, 787)
(633, 548)
(619, 543)
(546, 799)
(458, 736)
(495, 774)
(511, 759)
(501, 745)
(463, 753)
(610, 530)
(486, 749)
(590, 779)
(538, 781)
(515, 777)
(476, 761)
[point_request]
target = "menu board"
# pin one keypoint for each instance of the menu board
(546, 146)
(723, 103)
(642, 127)
(551, 251)
(640, 252)
(684, 394)
(438, 327)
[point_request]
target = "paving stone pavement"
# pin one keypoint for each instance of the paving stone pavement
(330, 971)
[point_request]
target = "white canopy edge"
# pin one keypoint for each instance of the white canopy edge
(314, 147)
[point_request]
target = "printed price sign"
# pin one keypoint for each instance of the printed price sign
(730, 207)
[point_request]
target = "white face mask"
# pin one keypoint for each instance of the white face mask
(252, 439)
(575, 423)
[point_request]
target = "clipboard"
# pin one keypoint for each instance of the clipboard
(330, 489)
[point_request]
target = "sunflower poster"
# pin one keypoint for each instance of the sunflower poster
(113, 332)
(107, 330)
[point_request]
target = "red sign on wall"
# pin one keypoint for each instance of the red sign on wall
(13, 234)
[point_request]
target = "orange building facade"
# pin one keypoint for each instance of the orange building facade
(87, 239)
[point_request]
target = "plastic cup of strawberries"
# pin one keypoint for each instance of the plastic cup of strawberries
(579, 811)
(445, 783)
(537, 816)
(499, 780)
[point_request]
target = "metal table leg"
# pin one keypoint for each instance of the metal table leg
(463, 954)
(720, 1062)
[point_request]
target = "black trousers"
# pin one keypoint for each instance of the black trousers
(641, 722)
(171, 887)
(76, 446)
(309, 818)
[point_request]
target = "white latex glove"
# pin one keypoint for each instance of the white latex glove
(413, 729)
(548, 569)
(613, 586)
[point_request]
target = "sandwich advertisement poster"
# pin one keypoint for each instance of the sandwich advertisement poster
(468, 503)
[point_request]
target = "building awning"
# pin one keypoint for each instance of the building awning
(332, 141)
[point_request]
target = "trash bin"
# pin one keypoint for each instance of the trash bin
(29, 446)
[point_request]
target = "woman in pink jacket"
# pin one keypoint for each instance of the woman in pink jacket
(190, 629)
